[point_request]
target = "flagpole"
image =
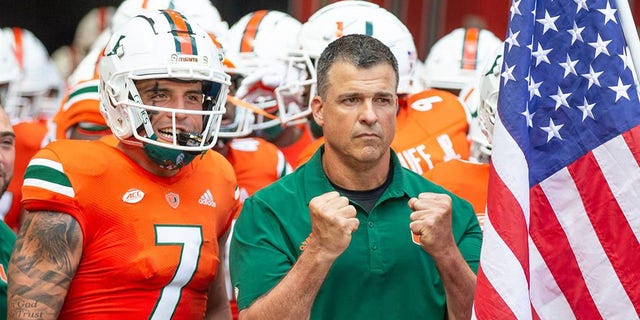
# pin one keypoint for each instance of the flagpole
(630, 33)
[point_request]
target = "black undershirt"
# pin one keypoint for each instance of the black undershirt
(367, 198)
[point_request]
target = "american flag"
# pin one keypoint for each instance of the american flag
(561, 240)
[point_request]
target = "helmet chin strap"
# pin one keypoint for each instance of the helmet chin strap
(172, 159)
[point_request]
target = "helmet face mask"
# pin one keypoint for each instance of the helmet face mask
(236, 122)
(272, 76)
(294, 93)
(161, 45)
(488, 104)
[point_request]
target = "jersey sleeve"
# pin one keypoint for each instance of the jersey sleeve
(46, 186)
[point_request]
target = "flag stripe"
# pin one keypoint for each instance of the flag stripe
(503, 244)
(503, 184)
(549, 237)
(546, 297)
(506, 276)
(622, 172)
(588, 251)
(632, 138)
(489, 292)
(613, 230)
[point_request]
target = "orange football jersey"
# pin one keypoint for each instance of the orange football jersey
(292, 152)
(30, 138)
(150, 243)
(308, 151)
(431, 129)
(256, 163)
(468, 180)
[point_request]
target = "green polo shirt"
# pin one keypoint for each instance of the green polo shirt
(383, 274)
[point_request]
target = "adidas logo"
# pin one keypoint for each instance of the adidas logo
(207, 199)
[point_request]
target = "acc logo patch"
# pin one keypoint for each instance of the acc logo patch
(173, 199)
(133, 196)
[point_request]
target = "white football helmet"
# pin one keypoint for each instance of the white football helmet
(56, 89)
(38, 75)
(487, 111)
(201, 12)
(361, 17)
(91, 26)
(455, 61)
(261, 37)
(270, 76)
(9, 69)
(161, 44)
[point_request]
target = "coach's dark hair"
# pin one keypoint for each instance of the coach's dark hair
(357, 49)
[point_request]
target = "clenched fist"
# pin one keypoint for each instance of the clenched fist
(333, 220)
(431, 222)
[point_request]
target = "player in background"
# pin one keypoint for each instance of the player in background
(261, 42)
(201, 12)
(92, 24)
(34, 95)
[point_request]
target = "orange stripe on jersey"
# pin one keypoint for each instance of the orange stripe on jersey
(470, 49)
(144, 4)
(18, 50)
(181, 31)
(246, 44)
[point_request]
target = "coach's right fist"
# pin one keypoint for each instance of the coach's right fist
(333, 220)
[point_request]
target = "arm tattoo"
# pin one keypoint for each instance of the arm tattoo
(45, 259)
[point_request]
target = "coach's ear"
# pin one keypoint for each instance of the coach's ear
(317, 109)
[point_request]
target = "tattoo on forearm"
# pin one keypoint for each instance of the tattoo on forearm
(44, 261)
